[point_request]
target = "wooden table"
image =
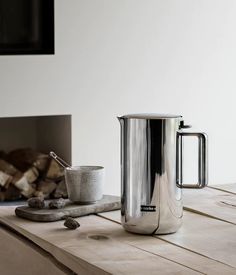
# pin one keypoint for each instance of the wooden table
(205, 244)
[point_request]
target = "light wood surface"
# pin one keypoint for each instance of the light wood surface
(208, 201)
(183, 254)
(199, 236)
(226, 187)
(107, 253)
(20, 257)
(203, 245)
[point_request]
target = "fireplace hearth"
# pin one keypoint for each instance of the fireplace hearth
(26, 173)
(26, 170)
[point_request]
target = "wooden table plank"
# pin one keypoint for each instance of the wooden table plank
(231, 187)
(14, 255)
(202, 235)
(107, 253)
(212, 238)
(78, 265)
(215, 203)
(206, 236)
(100, 246)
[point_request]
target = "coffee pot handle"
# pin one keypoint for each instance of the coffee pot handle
(202, 160)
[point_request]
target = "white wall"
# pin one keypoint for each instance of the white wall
(125, 56)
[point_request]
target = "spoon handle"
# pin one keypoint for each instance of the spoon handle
(59, 160)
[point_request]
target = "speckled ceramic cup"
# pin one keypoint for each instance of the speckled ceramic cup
(84, 183)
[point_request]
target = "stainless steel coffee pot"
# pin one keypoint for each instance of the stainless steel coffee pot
(151, 172)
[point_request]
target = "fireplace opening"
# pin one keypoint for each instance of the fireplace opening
(26, 170)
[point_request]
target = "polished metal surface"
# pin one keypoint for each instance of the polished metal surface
(151, 172)
(202, 160)
(151, 116)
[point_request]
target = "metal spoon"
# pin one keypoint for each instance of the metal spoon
(59, 160)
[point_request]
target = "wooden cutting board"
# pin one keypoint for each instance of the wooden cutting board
(108, 203)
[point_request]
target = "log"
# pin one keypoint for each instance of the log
(5, 179)
(23, 158)
(12, 193)
(55, 171)
(46, 187)
(61, 191)
(7, 167)
(31, 174)
(21, 182)
(42, 162)
(38, 194)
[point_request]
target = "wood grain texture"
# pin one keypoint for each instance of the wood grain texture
(98, 247)
(231, 187)
(215, 203)
(108, 203)
(78, 265)
(203, 245)
(209, 237)
(199, 239)
(14, 255)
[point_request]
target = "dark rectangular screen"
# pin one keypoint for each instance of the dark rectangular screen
(26, 27)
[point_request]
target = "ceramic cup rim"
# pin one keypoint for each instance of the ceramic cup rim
(85, 168)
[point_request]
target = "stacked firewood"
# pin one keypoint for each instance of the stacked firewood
(26, 173)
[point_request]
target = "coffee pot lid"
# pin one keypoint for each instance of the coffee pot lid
(151, 116)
